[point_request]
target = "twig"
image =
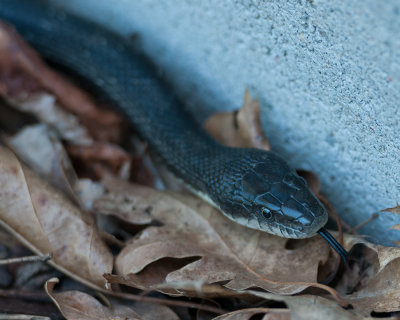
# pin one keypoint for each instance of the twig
(362, 224)
(349, 228)
(39, 296)
(332, 210)
(22, 317)
(42, 258)
(169, 302)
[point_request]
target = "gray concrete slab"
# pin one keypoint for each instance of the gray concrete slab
(327, 74)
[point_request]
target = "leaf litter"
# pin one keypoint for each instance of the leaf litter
(78, 305)
(173, 243)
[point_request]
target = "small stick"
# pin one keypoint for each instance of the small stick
(168, 302)
(362, 224)
(333, 212)
(22, 317)
(42, 258)
(38, 296)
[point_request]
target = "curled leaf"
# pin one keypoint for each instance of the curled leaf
(75, 305)
(309, 307)
(381, 291)
(240, 128)
(46, 222)
(395, 209)
(247, 314)
(24, 76)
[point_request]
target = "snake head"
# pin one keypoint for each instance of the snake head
(268, 195)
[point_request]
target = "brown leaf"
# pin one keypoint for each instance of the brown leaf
(372, 281)
(192, 229)
(46, 108)
(46, 222)
(309, 307)
(395, 209)
(29, 85)
(39, 147)
(23, 74)
(247, 314)
(75, 305)
(188, 288)
(154, 311)
(382, 292)
(125, 208)
(240, 128)
(312, 180)
(396, 227)
(101, 158)
(88, 191)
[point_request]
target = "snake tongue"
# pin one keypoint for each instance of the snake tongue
(334, 244)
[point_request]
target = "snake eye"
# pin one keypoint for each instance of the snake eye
(266, 213)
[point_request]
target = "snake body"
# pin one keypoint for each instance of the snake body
(252, 187)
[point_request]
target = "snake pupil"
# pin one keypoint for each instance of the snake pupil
(266, 213)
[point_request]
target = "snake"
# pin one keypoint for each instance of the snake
(252, 187)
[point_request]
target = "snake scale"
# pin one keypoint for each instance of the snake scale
(252, 187)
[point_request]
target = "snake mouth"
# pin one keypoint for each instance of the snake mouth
(299, 230)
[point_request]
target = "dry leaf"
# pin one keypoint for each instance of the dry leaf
(189, 288)
(46, 222)
(382, 292)
(24, 74)
(29, 85)
(154, 311)
(247, 314)
(240, 128)
(201, 244)
(45, 107)
(372, 283)
(124, 207)
(39, 147)
(101, 158)
(395, 209)
(81, 306)
(88, 191)
(312, 180)
(310, 307)
(75, 305)
(189, 245)
(35, 145)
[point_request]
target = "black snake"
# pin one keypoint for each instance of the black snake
(252, 187)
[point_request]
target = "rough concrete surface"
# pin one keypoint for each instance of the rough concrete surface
(327, 74)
